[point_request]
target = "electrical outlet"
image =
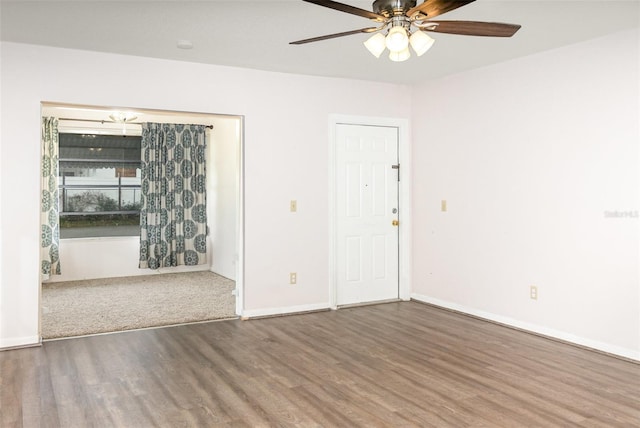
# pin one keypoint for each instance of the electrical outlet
(533, 292)
(443, 205)
(293, 278)
(293, 206)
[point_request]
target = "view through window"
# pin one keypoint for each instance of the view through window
(99, 184)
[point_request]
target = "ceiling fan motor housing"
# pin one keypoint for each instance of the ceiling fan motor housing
(390, 8)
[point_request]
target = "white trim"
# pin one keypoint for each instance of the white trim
(19, 342)
(286, 310)
(240, 223)
(333, 265)
(545, 331)
(404, 154)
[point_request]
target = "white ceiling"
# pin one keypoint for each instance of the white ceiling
(255, 34)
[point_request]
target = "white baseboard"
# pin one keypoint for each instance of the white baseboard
(19, 342)
(254, 313)
(544, 331)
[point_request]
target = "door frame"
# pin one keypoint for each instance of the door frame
(404, 198)
(239, 148)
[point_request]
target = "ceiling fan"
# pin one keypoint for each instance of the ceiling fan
(407, 23)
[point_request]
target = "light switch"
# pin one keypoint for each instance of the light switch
(443, 205)
(293, 206)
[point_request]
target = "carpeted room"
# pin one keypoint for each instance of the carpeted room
(79, 308)
(98, 280)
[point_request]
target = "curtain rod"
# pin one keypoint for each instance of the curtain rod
(107, 121)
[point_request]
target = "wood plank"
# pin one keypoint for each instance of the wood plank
(397, 364)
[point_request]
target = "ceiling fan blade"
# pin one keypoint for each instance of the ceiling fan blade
(348, 9)
(433, 8)
(474, 28)
(333, 36)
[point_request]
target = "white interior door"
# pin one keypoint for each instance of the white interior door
(366, 208)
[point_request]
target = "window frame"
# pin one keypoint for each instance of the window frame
(81, 127)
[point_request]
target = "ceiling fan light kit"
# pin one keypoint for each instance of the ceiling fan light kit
(399, 16)
(400, 56)
(421, 42)
(376, 44)
(397, 39)
(122, 116)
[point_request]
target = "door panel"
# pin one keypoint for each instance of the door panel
(367, 194)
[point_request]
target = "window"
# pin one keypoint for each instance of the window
(99, 183)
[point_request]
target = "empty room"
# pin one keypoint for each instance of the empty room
(430, 213)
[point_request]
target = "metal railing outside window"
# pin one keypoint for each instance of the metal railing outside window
(99, 186)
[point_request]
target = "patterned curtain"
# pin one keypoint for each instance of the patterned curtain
(49, 215)
(173, 217)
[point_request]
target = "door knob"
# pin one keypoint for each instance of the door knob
(395, 222)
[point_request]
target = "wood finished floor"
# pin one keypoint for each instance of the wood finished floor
(397, 364)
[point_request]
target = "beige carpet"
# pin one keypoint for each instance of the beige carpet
(104, 305)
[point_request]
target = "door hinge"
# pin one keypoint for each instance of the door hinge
(398, 168)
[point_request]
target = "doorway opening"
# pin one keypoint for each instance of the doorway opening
(99, 185)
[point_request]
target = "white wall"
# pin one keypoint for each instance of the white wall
(223, 179)
(110, 257)
(286, 157)
(531, 155)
